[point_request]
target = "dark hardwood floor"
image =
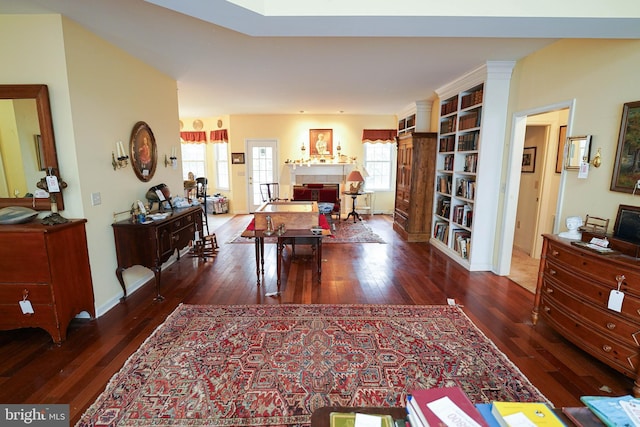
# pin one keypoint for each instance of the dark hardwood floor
(34, 370)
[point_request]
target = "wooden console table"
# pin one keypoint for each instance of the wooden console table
(151, 245)
(49, 267)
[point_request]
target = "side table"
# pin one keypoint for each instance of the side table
(353, 212)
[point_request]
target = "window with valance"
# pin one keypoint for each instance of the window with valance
(219, 136)
(193, 137)
(383, 136)
(379, 157)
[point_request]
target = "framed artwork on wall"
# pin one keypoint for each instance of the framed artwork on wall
(237, 158)
(143, 151)
(562, 138)
(320, 142)
(626, 171)
(529, 160)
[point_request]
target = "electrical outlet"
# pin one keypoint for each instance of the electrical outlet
(96, 199)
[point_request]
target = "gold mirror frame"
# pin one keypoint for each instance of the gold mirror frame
(40, 93)
(577, 150)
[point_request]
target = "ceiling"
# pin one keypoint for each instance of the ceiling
(329, 56)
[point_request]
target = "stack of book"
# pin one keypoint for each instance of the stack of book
(450, 407)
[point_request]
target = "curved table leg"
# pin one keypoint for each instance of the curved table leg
(157, 270)
(119, 271)
(256, 242)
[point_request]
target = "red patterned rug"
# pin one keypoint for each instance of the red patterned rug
(273, 365)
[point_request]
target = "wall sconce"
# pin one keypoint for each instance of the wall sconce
(597, 159)
(303, 148)
(171, 161)
(338, 149)
(122, 160)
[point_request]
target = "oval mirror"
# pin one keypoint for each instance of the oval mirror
(27, 146)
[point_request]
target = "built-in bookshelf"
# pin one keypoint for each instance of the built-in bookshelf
(468, 165)
(407, 124)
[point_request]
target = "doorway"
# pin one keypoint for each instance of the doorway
(548, 189)
(262, 164)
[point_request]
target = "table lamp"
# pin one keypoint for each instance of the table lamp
(356, 179)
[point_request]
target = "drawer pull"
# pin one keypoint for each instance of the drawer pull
(552, 272)
(555, 253)
(547, 309)
(611, 326)
(549, 290)
(606, 348)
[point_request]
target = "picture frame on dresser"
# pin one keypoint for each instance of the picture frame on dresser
(627, 225)
(625, 174)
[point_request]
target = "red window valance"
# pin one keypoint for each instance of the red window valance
(219, 136)
(193, 137)
(383, 136)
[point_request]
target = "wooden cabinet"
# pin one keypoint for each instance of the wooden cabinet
(414, 185)
(150, 245)
(49, 267)
(572, 296)
(471, 140)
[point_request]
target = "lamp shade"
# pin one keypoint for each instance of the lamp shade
(355, 176)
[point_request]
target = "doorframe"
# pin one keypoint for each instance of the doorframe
(249, 161)
(512, 181)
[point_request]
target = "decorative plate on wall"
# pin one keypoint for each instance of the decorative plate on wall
(198, 125)
(181, 124)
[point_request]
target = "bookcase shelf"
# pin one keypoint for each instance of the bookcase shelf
(468, 165)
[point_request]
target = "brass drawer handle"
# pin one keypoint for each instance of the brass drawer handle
(555, 253)
(611, 325)
(552, 272)
(547, 309)
(606, 348)
(549, 290)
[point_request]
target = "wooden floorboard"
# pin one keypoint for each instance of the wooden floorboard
(34, 370)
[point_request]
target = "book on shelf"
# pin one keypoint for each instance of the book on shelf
(522, 414)
(615, 411)
(444, 406)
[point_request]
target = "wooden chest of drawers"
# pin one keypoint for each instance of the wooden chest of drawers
(49, 267)
(572, 296)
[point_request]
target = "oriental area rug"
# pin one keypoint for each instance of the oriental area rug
(343, 232)
(273, 365)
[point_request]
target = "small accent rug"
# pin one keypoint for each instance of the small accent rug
(344, 232)
(273, 365)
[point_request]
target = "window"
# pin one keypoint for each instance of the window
(221, 156)
(378, 159)
(193, 160)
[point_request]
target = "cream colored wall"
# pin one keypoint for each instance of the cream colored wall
(290, 131)
(97, 93)
(601, 75)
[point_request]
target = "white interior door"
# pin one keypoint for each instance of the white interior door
(262, 164)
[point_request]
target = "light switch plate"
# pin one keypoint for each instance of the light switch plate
(96, 199)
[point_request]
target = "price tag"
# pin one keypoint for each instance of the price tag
(26, 307)
(615, 300)
(161, 195)
(52, 184)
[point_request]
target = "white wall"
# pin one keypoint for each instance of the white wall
(97, 93)
(601, 75)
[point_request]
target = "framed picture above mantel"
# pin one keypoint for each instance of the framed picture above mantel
(320, 142)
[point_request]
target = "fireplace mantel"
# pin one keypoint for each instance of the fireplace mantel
(319, 173)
